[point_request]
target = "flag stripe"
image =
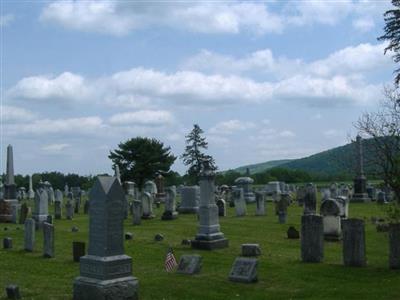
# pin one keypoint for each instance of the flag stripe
(170, 261)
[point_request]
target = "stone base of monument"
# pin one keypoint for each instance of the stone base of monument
(360, 198)
(126, 288)
(188, 210)
(106, 278)
(6, 210)
(204, 244)
(168, 215)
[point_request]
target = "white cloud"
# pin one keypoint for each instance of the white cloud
(330, 133)
(317, 116)
(364, 24)
(55, 147)
(143, 117)
(119, 18)
(72, 126)
(6, 19)
(230, 127)
(287, 133)
(11, 114)
(64, 86)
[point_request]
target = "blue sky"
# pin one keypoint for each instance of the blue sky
(265, 80)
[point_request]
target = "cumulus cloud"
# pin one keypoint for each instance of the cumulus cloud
(12, 114)
(231, 17)
(72, 126)
(121, 17)
(6, 20)
(143, 117)
(55, 148)
(66, 86)
(231, 126)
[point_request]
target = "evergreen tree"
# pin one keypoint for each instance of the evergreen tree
(194, 157)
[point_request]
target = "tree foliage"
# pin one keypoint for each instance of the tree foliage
(141, 159)
(193, 156)
(383, 127)
(392, 34)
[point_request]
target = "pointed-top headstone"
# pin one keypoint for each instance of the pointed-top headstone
(106, 217)
(117, 173)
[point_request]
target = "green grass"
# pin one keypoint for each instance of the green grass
(281, 274)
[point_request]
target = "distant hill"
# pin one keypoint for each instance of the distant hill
(334, 161)
(257, 168)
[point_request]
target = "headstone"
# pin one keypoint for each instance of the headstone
(136, 212)
(78, 250)
(251, 250)
(331, 213)
(117, 173)
(48, 240)
(354, 243)
(189, 264)
(128, 236)
(7, 243)
(360, 181)
(106, 272)
(244, 269)
(394, 246)
(300, 194)
(160, 181)
(189, 199)
(150, 187)
(50, 193)
(23, 213)
(333, 190)
(281, 207)
(58, 196)
(245, 183)
(147, 206)
(209, 236)
(69, 210)
(5, 211)
(312, 238)
(12, 292)
(310, 200)
(57, 210)
(221, 207)
(260, 204)
(29, 235)
(381, 197)
(170, 212)
(240, 203)
(66, 190)
(293, 233)
(41, 209)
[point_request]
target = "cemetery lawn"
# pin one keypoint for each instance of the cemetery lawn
(281, 274)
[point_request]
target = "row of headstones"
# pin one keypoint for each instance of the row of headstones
(354, 243)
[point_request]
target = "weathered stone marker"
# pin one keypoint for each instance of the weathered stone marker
(209, 235)
(7, 243)
(147, 206)
(260, 204)
(190, 264)
(57, 210)
(251, 250)
(244, 269)
(312, 238)
(78, 250)
(48, 240)
(69, 210)
(136, 212)
(170, 212)
(190, 199)
(29, 235)
(310, 199)
(394, 246)
(354, 243)
(12, 291)
(240, 203)
(106, 272)
(23, 213)
(41, 209)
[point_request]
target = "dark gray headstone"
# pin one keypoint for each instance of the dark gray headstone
(128, 236)
(244, 270)
(190, 264)
(57, 210)
(394, 246)
(293, 233)
(78, 250)
(312, 238)
(12, 292)
(49, 219)
(136, 212)
(69, 210)
(48, 240)
(23, 213)
(251, 250)
(7, 243)
(310, 199)
(106, 272)
(29, 235)
(354, 243)
(158, 237)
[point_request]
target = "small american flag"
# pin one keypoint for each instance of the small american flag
(170, 261)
